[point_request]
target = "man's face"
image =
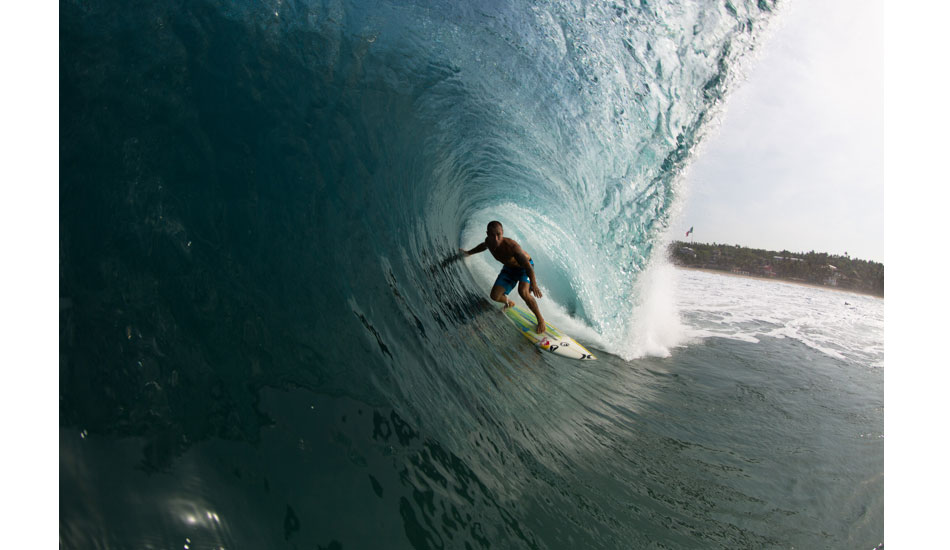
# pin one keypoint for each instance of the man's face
(494, 237)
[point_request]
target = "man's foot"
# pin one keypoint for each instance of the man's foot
(510, 304)
(540, 328)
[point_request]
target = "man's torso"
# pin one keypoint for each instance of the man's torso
(505, 253)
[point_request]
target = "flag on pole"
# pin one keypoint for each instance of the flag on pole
(690, 231)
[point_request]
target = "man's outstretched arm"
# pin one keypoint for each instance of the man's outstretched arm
(480, 248)
(463, 253)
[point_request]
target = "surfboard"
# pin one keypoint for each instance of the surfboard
(552, 340)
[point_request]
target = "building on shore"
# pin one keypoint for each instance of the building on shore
(833, 276)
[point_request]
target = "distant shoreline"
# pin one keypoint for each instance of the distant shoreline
(814, 269)
(778, 280)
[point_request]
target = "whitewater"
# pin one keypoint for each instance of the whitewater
(266, 339)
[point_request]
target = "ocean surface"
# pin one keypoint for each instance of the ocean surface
(267, 342)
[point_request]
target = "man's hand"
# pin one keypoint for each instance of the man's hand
(480, 248)
(535, 290)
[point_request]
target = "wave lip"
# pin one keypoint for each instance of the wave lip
(597, 110)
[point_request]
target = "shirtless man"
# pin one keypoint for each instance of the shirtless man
(518, 268)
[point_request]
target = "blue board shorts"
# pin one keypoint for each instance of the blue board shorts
(510, 276)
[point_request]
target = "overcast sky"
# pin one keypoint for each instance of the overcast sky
(797, 163)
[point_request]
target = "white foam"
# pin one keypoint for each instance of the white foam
(655, 326)
(842, 325)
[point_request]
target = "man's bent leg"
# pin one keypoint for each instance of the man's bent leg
(525, 293)
(498, 295)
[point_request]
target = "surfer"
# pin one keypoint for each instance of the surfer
(517, 267)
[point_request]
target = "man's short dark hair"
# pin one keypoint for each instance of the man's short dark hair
(494, 224)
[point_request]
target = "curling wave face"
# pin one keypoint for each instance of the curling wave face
(241, 182)
(265, 194)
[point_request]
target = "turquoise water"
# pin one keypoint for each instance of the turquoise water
(262, 346)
